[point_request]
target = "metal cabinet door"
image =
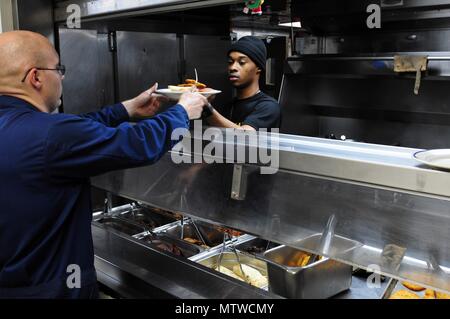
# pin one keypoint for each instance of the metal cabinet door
(145, 58)
(208, 54)
(89, 81)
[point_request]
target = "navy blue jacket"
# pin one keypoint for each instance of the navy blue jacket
(45, 164)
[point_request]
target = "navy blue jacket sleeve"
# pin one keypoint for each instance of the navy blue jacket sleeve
(79, 148)
(110, 116)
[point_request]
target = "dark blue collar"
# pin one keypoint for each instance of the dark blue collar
(11, 101)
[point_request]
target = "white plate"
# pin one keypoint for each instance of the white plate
(176, 95)
(436, 158)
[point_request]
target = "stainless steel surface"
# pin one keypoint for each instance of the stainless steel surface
(123, 8)
(211, 236)
(144, 59)
(140, 271)
(380, 196)
(95, 68)
(320, 280)
(146, 218)
(120, 225)
(325, 240)
(360, 289)
(162, 242)
(255, 246)
(239, 184)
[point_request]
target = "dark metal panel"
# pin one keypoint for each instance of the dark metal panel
(89, 81)
(36, 16)
(363, 99)
(408, 41)
(208, 54)
(336, 17)
(146, 58)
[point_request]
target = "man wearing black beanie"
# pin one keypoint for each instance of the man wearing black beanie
(251, 109)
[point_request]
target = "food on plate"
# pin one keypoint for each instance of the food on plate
(175, 88)
(188, 85)
(404, 294)
(250, 275)
(429, 294)
(412, 286)
(197, 84)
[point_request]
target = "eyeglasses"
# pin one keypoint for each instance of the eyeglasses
(60, 68)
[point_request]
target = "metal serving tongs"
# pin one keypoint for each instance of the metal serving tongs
(195, 227)
(233, 249)
(199, 234)
(325, 240)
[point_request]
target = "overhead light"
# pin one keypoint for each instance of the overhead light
(297, 24)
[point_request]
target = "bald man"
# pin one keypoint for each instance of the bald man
(46, 161)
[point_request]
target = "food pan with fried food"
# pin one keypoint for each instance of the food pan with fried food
(404, 294)
(412, 286)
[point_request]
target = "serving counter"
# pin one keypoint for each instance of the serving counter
(392, 213)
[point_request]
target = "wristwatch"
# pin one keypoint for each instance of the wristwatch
(207, 111)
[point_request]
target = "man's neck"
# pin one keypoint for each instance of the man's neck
(249, 91)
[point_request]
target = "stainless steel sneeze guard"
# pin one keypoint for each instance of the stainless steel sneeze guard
(393, 214)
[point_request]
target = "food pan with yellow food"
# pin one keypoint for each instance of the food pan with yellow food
(293, 275)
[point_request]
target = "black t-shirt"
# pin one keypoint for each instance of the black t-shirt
(259, 111)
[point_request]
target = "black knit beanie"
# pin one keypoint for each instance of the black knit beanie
(252, 47)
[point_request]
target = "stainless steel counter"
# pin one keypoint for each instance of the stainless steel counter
(134, 270)
(392, 213)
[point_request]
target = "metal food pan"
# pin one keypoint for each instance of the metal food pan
(338, 246)
(147, 218)
(120, 225)
(319, 280)
(256, 246)
(229, 260)
(211, 236)
(174, 246)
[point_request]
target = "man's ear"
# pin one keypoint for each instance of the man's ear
(258, 70)
(34, 79)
